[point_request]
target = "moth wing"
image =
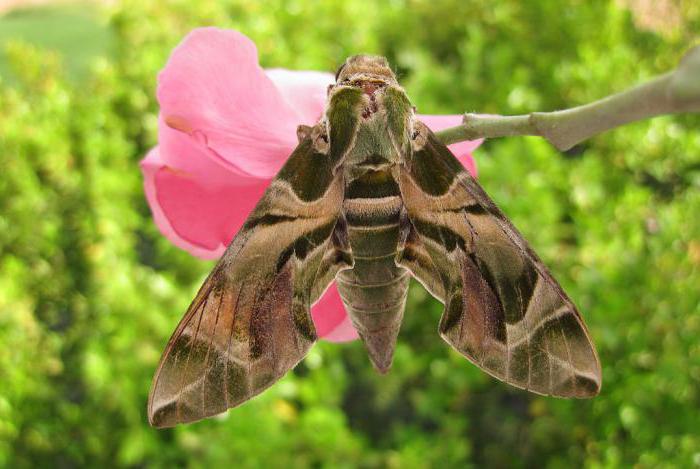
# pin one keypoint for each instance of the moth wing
(503, 309)
(250, 322)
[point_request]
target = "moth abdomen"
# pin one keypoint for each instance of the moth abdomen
(376, 311)
(374, 290)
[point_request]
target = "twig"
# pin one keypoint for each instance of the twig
(673, 92)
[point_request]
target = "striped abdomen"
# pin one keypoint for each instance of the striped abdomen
(374, 290)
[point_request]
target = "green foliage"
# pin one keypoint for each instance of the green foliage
(90, 291)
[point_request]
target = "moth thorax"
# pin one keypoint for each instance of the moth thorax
(372, 149)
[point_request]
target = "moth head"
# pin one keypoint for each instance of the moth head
(361, 69)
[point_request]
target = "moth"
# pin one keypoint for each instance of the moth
(370, 198)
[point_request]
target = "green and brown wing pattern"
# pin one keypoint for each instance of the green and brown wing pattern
(503, 309)
(250, 322)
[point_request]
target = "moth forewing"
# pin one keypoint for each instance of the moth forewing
(503, 309)
(250, 323)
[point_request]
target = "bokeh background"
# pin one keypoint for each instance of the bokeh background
(90, 291)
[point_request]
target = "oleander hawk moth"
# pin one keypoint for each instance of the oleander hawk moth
(370, 198)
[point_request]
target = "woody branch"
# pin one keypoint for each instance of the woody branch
(673, 92)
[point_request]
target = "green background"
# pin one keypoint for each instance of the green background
(90, 291)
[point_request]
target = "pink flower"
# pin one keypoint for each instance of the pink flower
(226, 127)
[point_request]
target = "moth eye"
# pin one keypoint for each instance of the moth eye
(320, 140)
(415, 135)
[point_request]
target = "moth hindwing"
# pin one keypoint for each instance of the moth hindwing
(370, 198)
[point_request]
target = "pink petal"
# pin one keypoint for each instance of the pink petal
(193, 214)
(330, 318)
(213, 89)
(304, 91)
(463, 150)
